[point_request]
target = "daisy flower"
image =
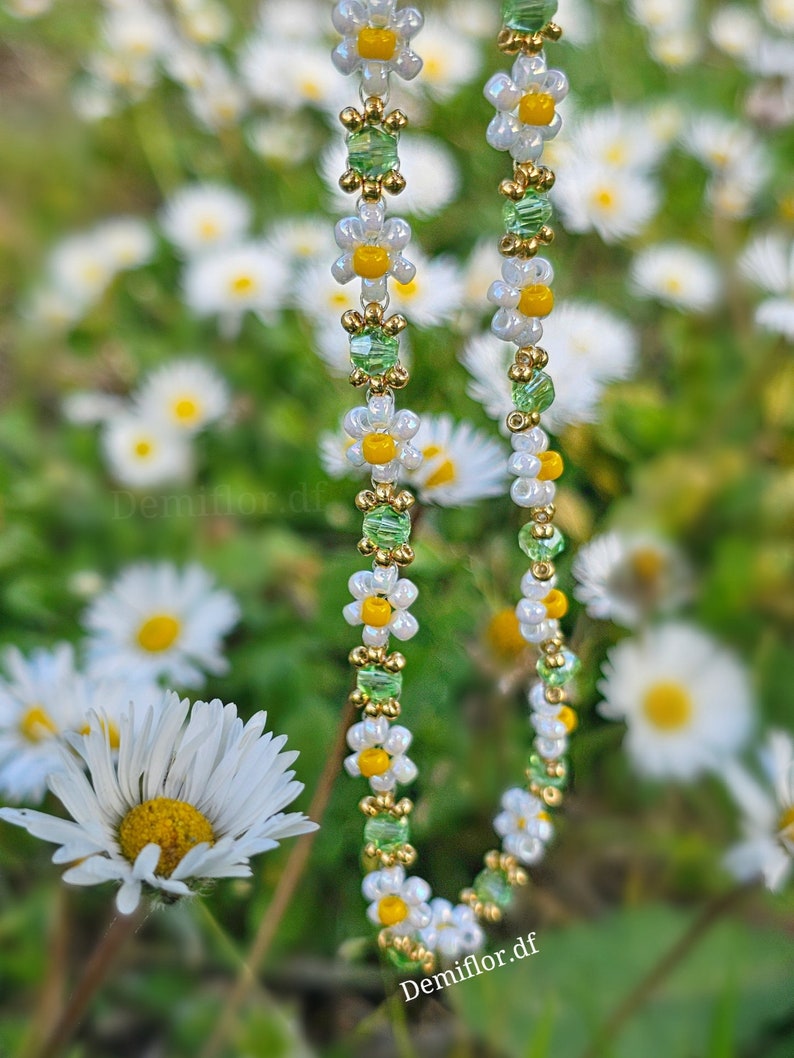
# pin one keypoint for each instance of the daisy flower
(719, 143)
(332, 450)
(453, 931)
(382, 600)
(193, 795)
(483, 263)
(735, 30)
(184, 395)
(677, 275)
(143, 453)
(524, 825)
(616, 137)
(382, 438)
(201, 217)
(205, 22)
(218, 101)
(286, 140)
(81, 266)
(526, 107)
(399, 903)
(51, 309)
(233, 280)
(779, 13)
(377, 41)
(157, 621)
(317, 295)
(660, 16)
(675, 49)
(289, 78)
(614, 203)
(28, 8)
(293, 19)
(372, 247)
(435, 294)
(379, 754)
(461, 465)
(768, 262)
(450, 58)
(487, 360)
(767, 808)
(524, 296)
(686, 701)
(299, 240)
(88, 407)
(625, 577)
(477, 19)
(136, 30)
(128, 241)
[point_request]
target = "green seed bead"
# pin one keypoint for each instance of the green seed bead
(386, 527)
(536, 770)
(492, 887)
(535, 395)
(540, 550)
(558, 677)
(528, 16)
(527, 217)
(379, 684)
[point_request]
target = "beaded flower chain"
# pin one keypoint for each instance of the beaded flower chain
(415, 930)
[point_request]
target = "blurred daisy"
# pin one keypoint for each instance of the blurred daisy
(332, 450)
(675, 49)
(677, 275)
(372, 248)
(614, 136)
(284, 140)
(627, 577)
(28, 8)
(398, 903)
(524, 826)
(382, 598)
(290, 78)
(478, 19)
(298, 240)
(293, 19)
(720, 143)
(317, 294)
(218, 101)
(331, 345)
(141, 452)
(767, 808)
(461, 465)
(768, 262)
(81, 266)
(686, 701)
(233, 280)
(736, 31)
(779, 13)
(157, 621)
(184, 395)
(451, 59)
(138, 31)
(204, 21)
(200, 217)
(660, 16)
(382, 438)
(487, 360)
(377, 41)
(614, 203)
(87, 407)
(434, 295)
(453, 931)
(379, 754)
(128, 241)
(577, 18)
(51, 309)
(482, 265)
(193, 795)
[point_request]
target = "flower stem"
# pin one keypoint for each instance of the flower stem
(95, 973)
(638, 996)
(285, 890)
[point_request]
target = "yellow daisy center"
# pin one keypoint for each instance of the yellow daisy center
(536, 300)
(143, 449)
(392, 910)
(158, 632)
(376, 612)
(647, 564)
(373, 762)
(615, 154)
(378, 448)
(537, 108)
(311, 90)
(409, 290)
(110, 730)
(445, 472)
(208, 229)
(370, 262)
(378, 44)
(667, 705)
(786, 824)
(175, 826)
(242, 285)
(37, 724)
(186, 409)
(504, 635)
(604, 198)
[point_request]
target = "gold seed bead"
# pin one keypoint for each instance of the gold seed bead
(350, 181)
(352, 321)
(524, 355)
(512, 190)
(552, 31)
(391, 708)
(394, 325)
(551, 646)
(545, 235)
(543, 570)
(366, 500)
(370, 189)
(520, 372)
(393, 182)
(539, 357)
(403, 555)
(543, 514)
(373, 314)
(554, 695)
(542, 532)
(397, 376)
(383, 557)
(374, 110)
(395, 662)
(358, 656)
(358, 378)
(396, 121)
(378, 385)
(552, 796)
(510, 245)
(366, 547)
(351, 119)
(404, 500)
(517, 421)
(358, 698)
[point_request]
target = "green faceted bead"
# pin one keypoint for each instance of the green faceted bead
(402, 962)
(373, 351)
(537, 772)
(527, 217)
(372, 152)
(540, 550)
(558, 677)
(379, 684)
(387, 833)
(528, 16)
(535, 395)
(492, 887)
(386, 527)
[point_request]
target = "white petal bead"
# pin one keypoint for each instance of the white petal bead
(383, 783)
(374, 289)
(356, 422)
(384, 579)
(536, 589)
(502, 131)
(355, 456)
(416, 891)
(348, 233)
(501, 92)
(553, 127)
(525, 848)
(402, 270)
(405, 425)
(398, 740)
(342, 269)
(372, 216)
(536, 695)
(408, 64)
(530, 333)
(348, 16)
(404, 770)
(352, 613)
(507, 323)
(551, 748)
(530, 612)
(556, 84)
(527, 145)
(351, 765)
(356, 737)
(411, 458)
(360, 584)
(408, 22)
(525, 492)
(532, 633)
(500, 293)
(345, 56)
(527, 67)
(534, 441)
(548, 726)
(383, 472)
(524, 464)
(380, 410)
(549, 492)
(404, 594)
(376, 729)
(396, 234)
(374, 78)
(403, 626)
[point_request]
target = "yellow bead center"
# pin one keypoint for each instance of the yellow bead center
(569, 718)
(186, 409)
(242, 285)
(376, 612)
(667, 705)
(370, 262)
(373, 762)
(536, 108)
(143, 449)
(556, 604)
(536, 300)
(786, 824)
(158, 633)
(175, 826)
(504, 635)
(551, 466)
(378, 448)
(392, 910)
(378, 44)
(110, 730)
(37, 724)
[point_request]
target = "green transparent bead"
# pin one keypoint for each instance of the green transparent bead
(528, 16)
(536, 769)
(387, 833)
(379, 684)
(386, 527)
(402, 962)
(559, 677)
(527, 217)
(540, 550)
(535, 395)
(492, 887)
(373, 351)
(372, 152)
